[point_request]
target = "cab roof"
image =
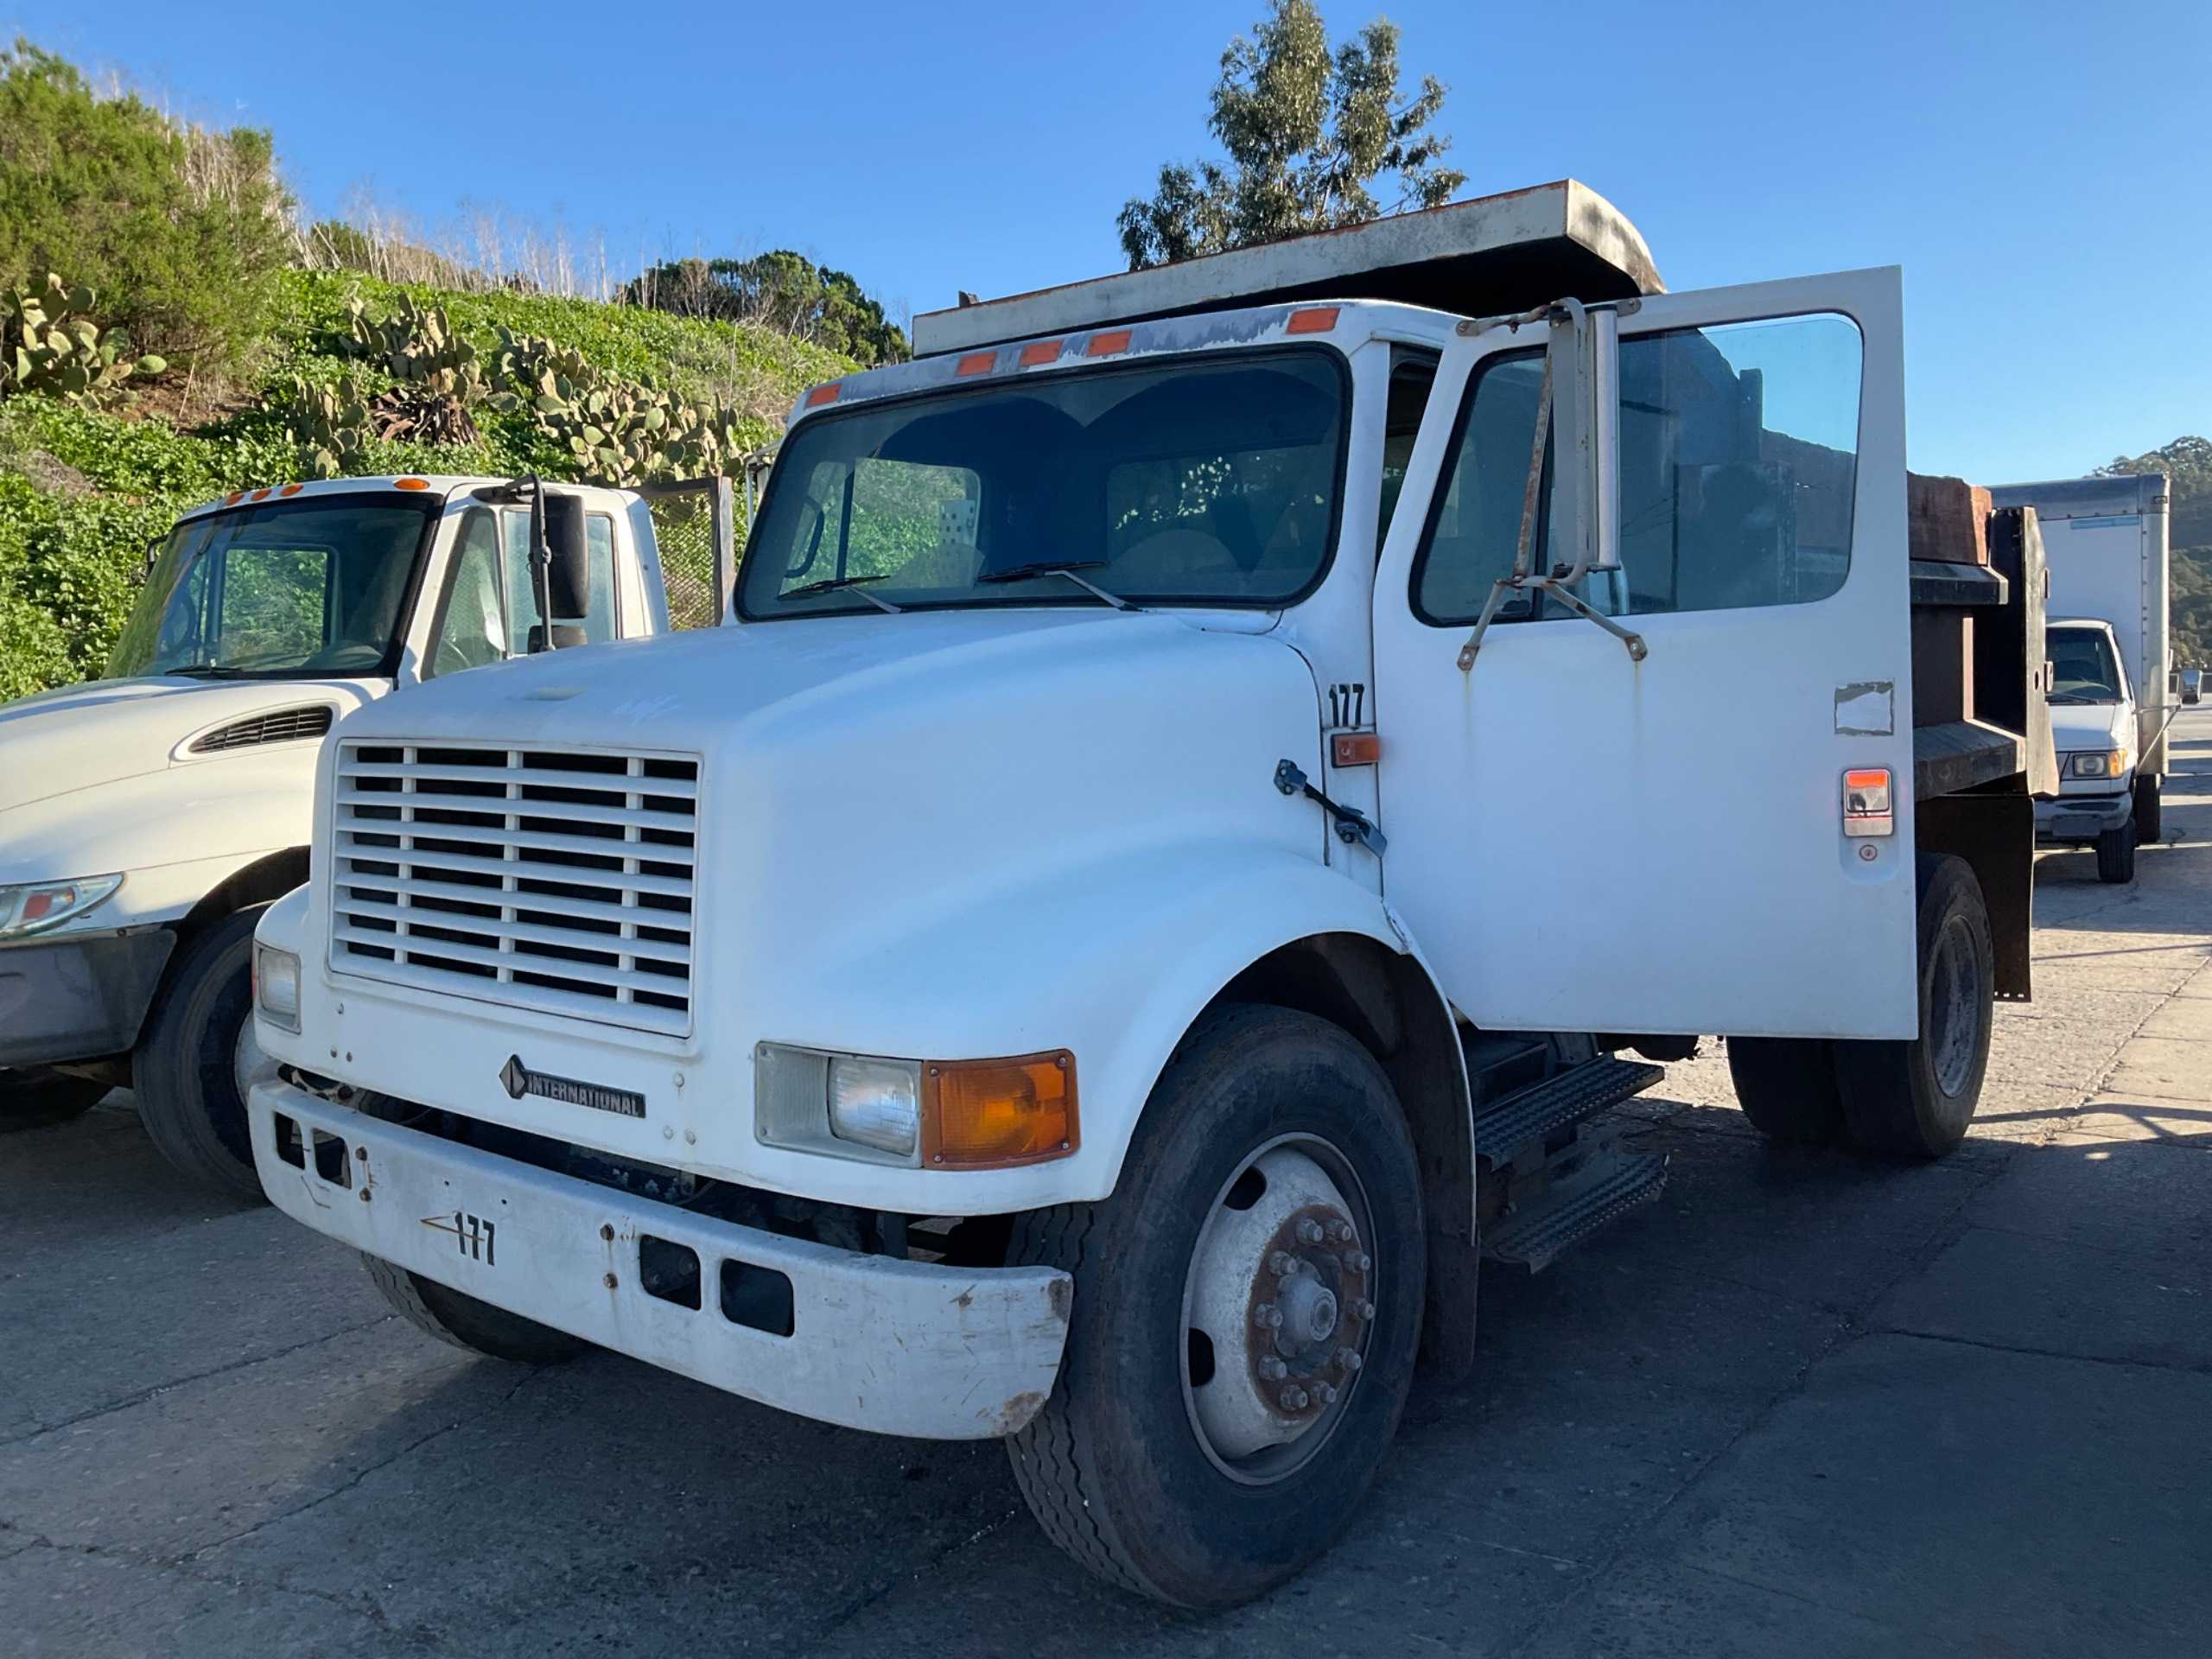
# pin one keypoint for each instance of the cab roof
(430, 484)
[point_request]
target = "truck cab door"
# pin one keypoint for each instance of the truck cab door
(1590, 832)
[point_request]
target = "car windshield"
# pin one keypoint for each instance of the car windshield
(2082, 667)
(1199, 481)
(284, 588)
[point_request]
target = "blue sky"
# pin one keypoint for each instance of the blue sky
(2039, 169)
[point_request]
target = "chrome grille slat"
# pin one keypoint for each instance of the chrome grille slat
(445, 876)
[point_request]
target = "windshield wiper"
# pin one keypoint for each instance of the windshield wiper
(206, 671)
(2068, 697)
(1061, 567)
(837, 584)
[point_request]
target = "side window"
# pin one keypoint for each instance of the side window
(275, 604)
(472, 622)
(1738, 456)
(521, 586)
(1412, 373)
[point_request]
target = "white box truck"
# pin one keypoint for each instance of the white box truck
(1170, 864)
(147, 817)
(2113, 690)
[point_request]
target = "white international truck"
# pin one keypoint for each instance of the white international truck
(147, 817)
(2115, 688)
(1213, 770)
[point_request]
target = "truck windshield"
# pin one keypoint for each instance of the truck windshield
(283, 589)
(1197, 481)
(2082, 668)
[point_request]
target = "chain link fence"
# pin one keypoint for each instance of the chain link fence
(700, 526)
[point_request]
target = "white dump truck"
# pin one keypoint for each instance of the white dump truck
(2114, 689)
(1214, 774)
(147, 817)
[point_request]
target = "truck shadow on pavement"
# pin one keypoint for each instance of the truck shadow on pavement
(1876, 1405)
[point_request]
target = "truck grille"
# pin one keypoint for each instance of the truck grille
(551, 879)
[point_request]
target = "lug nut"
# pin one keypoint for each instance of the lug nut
(1358, 1260)
(1348, 1358)
(1365, 1310)
(1342, 1232)
(1280, 1265)
(1326, 1393)
(1272, 1369)
(1293, 1398)
(1309, 1231)
(1267, 1317)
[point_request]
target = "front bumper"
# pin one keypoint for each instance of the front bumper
(2082, 817)
(900, 1347)
(69, 999)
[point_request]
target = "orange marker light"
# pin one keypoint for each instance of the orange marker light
(234, 498)
(291, 489)
(1314, 319)
(977, 362)
(998, 1113)
(1040, 351)
(411, 483)
(1105, 344)
(1356, 748)
(261, 494)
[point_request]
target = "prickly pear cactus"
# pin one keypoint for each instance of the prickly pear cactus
(53, 345)
(330, 425)
(618, 432)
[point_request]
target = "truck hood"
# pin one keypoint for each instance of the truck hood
(56, 742)
(766, 682)
(2091, 725)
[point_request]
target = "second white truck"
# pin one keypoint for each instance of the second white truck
(1215, 776)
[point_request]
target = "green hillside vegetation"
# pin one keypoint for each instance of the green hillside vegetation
(2187, 463)
(184, 354)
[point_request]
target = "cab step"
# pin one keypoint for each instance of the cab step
(1504, 1126)
(1534, 1237)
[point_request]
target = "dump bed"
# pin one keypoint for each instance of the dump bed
(1494, 254)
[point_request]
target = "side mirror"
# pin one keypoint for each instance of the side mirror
(568, 578)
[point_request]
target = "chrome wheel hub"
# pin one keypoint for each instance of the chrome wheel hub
(1277, 1309)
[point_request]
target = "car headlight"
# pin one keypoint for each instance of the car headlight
(876, 1104)
(2098, 763)
(277, 986)
(38, 906)
(933, 1114)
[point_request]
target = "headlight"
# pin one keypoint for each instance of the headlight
(39, 905)
(2102, 763)
(277, 986)
(876, 1104)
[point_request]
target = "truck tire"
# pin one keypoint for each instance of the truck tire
(33, 1098)
(193, 1053)
(2116, 854)
(1786, 1087)
(451, 1316)
(1247, 1310)
(2150, 821)
(1915, 1099)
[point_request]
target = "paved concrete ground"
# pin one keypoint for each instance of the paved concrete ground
(1806, 1404)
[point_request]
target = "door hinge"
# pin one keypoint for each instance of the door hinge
(1353, 826)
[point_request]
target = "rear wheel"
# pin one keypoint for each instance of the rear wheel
(2116, 854)
(1786, 1087)
(1916, 1098)
(2148, 824)
(196, 1055)
(462, 1320)
(33, 1098)
(1247, 1309)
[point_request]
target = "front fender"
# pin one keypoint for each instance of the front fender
(1111, 960)
(175, 835)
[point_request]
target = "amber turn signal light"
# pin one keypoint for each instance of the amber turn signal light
(998, 1113)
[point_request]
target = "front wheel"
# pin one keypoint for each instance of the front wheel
(1247, 1310)
(2116, 855)
(196, 1055)
(33, 1099)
